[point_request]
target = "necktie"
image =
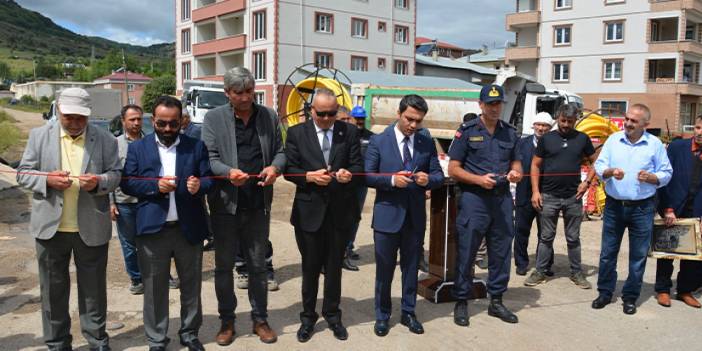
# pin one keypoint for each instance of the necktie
(326, 146)
(406, 155)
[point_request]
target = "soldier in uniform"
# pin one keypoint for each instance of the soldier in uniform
(484, 160)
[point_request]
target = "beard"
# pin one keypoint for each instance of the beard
(167, 138)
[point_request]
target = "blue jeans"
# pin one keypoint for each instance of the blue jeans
(638, 219)
(126, 230)
(361, 193)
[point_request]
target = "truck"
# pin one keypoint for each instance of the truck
(200, 96)
(524, 99)
(106, 104)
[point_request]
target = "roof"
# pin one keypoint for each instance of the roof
(441, 44)
(406, 81)
(461, 63)
(488, 56)
(131, 76)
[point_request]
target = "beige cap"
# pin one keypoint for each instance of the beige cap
(543, 117)
(74, 101)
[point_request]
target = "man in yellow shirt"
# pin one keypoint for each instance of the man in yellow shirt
(71, 167)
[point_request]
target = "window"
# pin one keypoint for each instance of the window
(381, 63)
(563, 4)
(613, 2)
(401, 34)
(613, 108)
(381, 27)
(130, 100)
(612, 71)
(359, 63)
(402, 4)
(130, 87)
(260, 97)
(259, 64)
(259, 31)
(324, 23)
(185, 41)
(400, 67)
(184, 10)
(323, 59)
(561, 72)
(185, 71)
(614, 32)
(359, 28)
(561, 35)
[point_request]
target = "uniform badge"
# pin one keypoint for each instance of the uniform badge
(494, 92)
(476, 138)
(458, 134)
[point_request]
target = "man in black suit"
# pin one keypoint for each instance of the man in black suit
(524, 212)
(322, 154)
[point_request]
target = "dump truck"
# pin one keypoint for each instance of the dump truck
(200, 96)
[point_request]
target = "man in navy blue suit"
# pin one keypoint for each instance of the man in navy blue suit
(399, 215)
(165, 172)
(524, 212)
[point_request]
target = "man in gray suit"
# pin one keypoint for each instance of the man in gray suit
(243, 139)
(71, 167)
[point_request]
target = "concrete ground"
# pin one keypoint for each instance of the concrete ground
(555, 315)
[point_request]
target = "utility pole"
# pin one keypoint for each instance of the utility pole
(126, 81)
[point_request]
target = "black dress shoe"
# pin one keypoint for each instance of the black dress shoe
(304, 334)
(521, 271)
(423, 265)
(410, 321)
(347, 265)
(381, 327)
(193, 345)
(350, 253)
(460, 313)
(497, 309)
(157, 348)
(601, 301)
(629, 307)
(339, 331)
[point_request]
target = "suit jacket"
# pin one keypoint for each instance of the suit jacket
(675, 194)
(191, 160)
(43, 154)
(526, 153)
(218, 133)
(304, 154)
(393, 204)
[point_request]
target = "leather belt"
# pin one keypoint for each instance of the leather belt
(631, 203)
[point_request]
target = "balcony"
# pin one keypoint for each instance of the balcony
(673, 5)
(522, 53)
(213, 9)
(515, 21)
(236, 42)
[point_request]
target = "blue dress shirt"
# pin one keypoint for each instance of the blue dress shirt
(647, 154)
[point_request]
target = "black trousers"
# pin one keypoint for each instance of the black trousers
(324, 247)
(689, 276)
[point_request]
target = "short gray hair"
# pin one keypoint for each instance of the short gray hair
(344, 109)
(324, 92)
(643, 108)
(239, 78)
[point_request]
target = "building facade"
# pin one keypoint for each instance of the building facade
(273, 37)
(135, 85)
(615, 53)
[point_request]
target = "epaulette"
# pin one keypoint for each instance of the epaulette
(463, 127)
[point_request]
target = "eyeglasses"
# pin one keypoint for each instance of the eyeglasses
(162, 124)
(323, 114)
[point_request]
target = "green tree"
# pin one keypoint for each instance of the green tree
(4, 71)
(165, 85)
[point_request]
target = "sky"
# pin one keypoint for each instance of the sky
(466, 23)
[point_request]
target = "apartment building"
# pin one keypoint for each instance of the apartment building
(615, 53)
(272, 37)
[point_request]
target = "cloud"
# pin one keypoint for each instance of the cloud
(466, 23)
(135, 22)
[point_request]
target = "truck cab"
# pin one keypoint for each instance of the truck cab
(202, 96)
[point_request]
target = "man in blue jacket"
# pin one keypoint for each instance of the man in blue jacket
(168, 173)
(399, 215)
(682, 198)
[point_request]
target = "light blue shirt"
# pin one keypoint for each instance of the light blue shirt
(647, 154)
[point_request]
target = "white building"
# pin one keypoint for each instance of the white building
(615, 53)
(272, 37)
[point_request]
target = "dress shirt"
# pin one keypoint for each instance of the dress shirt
(400, 138)
(168, 169)
(320, 134)
(72, 150)
(647, 154)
